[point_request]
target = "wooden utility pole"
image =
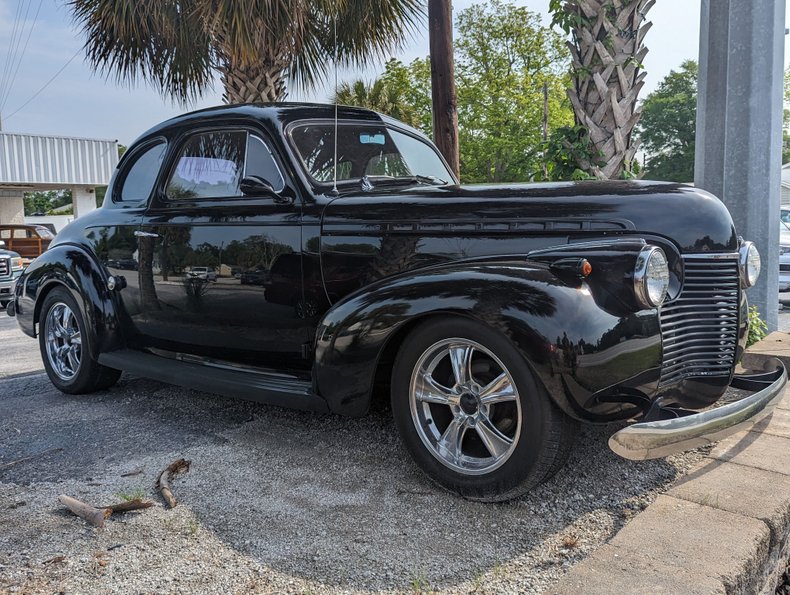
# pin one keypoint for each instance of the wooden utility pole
(445, 102)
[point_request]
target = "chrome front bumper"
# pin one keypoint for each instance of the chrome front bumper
(656, 439)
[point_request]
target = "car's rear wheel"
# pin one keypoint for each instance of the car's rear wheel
(68, 349)
(472, 413)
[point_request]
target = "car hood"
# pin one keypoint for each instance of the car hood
(692, 219)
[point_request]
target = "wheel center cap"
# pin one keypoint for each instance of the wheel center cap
(468, 403)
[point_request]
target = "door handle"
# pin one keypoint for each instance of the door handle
(145, 234)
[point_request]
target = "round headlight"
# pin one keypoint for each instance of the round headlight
(651, 277)
(750, 264)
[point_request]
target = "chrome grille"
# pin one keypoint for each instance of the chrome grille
(699, 329)
(5, 267)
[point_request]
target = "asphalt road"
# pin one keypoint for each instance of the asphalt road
(18, 353)
(275, 500)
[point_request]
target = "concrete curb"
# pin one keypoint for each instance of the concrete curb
(724, 528)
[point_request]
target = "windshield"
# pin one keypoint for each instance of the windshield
(366, 150)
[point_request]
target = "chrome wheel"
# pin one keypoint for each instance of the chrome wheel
(63, 341)
(465, 406)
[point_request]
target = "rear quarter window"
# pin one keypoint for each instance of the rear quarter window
(139, 176)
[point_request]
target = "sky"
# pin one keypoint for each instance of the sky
(79, 103)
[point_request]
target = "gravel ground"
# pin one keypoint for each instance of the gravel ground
(278, 501)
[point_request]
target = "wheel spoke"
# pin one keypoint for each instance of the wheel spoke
(430, 391)
(495, 441)
(461, 359)
(65, 318)
(450, 443)
(76, 338)
(73, 360)
(499, 390)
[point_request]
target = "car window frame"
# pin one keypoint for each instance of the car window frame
(128, 161)
(177, 147)
(305, 171)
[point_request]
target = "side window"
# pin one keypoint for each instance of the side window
(210, 165)
(260, 162)
(141, 176)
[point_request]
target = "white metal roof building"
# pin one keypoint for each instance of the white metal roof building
(56, 160)
(35, 162)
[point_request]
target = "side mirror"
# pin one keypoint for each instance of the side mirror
(256, 186)
(2, 244)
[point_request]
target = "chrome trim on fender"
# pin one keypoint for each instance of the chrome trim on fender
(653, 440)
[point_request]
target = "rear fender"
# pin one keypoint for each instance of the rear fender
(570, 342)
(72, 267)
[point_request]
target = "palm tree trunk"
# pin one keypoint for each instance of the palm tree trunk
(608, 51)
(259, 83)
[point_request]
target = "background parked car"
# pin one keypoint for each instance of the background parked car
(784, 251)
(256, 276)
(29, 241)
(10, 269)
(202, 273)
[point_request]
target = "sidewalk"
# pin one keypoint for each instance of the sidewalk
(725, 528)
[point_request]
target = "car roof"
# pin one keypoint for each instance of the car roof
(275, 116)
(280, 114)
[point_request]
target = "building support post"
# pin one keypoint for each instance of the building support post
(739, 125)
(83, 199)
(12, 207)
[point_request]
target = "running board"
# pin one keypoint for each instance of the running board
(280, 390)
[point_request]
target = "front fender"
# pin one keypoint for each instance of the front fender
(595, 365)
(72, 267)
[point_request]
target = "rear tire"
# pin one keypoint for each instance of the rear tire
(472, 413)
(68, 349)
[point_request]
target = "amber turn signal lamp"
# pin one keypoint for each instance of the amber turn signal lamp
(586, 267)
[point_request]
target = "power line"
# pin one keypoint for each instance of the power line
(45, 85)
(11, 44)
(4, 98)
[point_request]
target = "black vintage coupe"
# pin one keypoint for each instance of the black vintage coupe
(495, 318)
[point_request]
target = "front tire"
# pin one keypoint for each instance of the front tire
(68, 349)
(472, 414)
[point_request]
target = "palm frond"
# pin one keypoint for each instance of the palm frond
(160, 42)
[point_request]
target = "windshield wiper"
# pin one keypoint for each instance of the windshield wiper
(370, 182)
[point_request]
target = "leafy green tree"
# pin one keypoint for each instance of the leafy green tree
(668, 126)
(256, 46)
(45, 201)
(403, 92)
(504, 58)
(382, 95)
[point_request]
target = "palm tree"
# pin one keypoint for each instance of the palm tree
(379, 96)
(607, 50)
(256, 46)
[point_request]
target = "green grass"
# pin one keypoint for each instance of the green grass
(136, 494)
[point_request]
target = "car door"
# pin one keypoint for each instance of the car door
(202, 236)
(113, 236)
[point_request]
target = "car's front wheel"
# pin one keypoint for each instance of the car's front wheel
(68, 349)
(472, 413)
